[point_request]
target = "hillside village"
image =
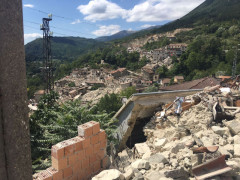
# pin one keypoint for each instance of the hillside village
(81, 82)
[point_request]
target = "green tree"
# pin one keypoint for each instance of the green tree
(128, 91)
(53, 123)
(109, 103)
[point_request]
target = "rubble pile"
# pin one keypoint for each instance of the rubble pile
(195, 139)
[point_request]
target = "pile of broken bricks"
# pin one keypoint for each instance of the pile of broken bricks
(199, 141)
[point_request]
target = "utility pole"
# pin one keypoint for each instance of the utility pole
(234, 67)
(47, 55)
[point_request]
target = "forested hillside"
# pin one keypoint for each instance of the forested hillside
(208, 12)
(63, 48)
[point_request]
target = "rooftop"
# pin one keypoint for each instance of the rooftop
(195, 84)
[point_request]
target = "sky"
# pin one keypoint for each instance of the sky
(95, 18)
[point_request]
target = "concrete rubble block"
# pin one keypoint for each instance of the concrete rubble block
(159, 143)
(207, 141)
(222, 142)
(157, 158)
(141, 164)
(166, 154)
(174, 163)
(219, 130)
(196, 159)
(111, 174)
(137, 175)
(168, 146)
(176, 173)
(189, 143)
(128, 173)
(237, 150)
(235, 165)
(229, 148)
(142, 148)
(177, 147)
(236, 139)
(155, 175)
(223, 151)
(147, 155)
(234, 126)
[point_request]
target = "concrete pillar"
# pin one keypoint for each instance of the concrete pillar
(15, 151)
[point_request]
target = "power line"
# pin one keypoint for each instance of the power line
(61, 17)
(65, 29)
(39, 30)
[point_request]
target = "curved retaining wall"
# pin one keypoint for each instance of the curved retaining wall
(141, 106)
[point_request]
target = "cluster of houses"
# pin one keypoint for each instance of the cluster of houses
(86, 79)
(82, 81)
(162, 53)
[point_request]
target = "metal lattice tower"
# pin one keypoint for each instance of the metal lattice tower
(47, 55)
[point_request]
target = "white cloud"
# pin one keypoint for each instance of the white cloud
(107, 30)
(147, 26)
(77, 21)
(28, 5)
(147, 11)
(31, 37)
(97, 10)
(160, 10)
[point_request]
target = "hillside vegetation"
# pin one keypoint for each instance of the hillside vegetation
(63, 48)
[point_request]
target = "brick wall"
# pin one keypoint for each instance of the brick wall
(78, 158)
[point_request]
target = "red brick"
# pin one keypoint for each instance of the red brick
(69, 149)
(85, 130)
(78, 143)
(77, 167)
(68, 172)
(103, 144)
(96, 148)
(83, 175)
(102, 135)
(101, 153)
(89, 171)
(96, 166)
(94, 139)
(75, 177)
(89, 151)
(105, 162)
(57, 175)
(57, 151)
(92, 159)
(80, 155)
(96, 126)
(86, 143)
(72, 159)
(85, 163)
(59, 164)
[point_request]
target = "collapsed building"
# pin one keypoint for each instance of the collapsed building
(195, 137)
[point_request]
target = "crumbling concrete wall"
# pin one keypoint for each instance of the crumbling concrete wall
(80, 157)
(140, 106)
(15, 150)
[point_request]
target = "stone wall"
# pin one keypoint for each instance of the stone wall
(80, 157)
